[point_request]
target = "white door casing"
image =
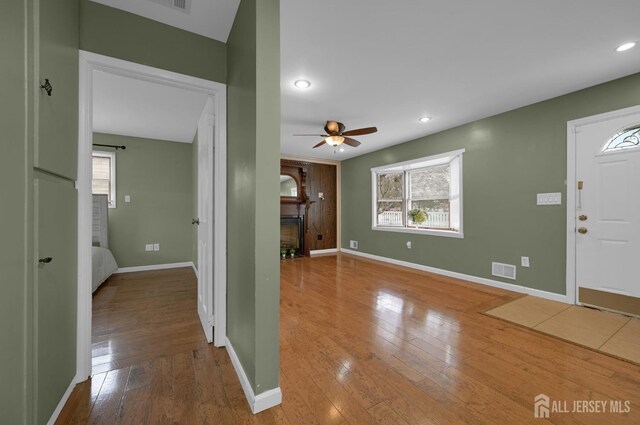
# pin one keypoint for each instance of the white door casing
(205, 227)
(604, 258)
(88, 64)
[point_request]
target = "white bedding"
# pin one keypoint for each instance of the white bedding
(103, 265)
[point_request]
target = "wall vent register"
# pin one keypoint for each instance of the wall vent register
(181, 5)
(507, 271)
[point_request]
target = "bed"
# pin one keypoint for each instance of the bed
(103, 263)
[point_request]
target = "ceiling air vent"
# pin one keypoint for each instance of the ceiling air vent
(503, 270)
(181, 5)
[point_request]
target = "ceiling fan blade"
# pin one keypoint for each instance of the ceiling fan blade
(319, 144)
(360, 131)
(314, 135)
(351, 142)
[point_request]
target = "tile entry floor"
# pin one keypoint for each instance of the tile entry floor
(607, 332)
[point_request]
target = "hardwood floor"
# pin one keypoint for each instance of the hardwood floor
(361, 343)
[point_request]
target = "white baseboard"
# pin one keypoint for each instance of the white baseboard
(262, 401)
(474, 279)
(63, 401)
(323, 251)
(154, 267)
(195, 269)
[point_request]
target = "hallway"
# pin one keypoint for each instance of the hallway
(151, 361)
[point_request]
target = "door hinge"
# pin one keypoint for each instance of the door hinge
(212, 321)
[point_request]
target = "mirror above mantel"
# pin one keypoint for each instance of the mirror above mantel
(292, 182)
(288, 186)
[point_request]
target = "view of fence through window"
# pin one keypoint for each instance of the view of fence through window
(426, 189)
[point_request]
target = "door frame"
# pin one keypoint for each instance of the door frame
(90, 62)
(572, 181)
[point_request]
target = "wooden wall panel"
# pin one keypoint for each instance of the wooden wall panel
(323, 214)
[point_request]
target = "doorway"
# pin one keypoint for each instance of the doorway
(212, 289)
(603, 211)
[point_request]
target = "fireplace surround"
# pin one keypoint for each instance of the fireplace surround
(292, 233)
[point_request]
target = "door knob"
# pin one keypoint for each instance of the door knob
(582, 230)
(583, 218)
(45, 260)
(195, 221)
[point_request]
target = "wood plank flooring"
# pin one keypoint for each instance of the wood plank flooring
(361, 343)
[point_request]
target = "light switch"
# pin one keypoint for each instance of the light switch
(524, 261)
(156, 247)
(148, 247)
(127, 198)
(549, 198)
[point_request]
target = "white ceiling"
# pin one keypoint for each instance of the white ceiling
(386, 63)
(137, 108)
(210, 18)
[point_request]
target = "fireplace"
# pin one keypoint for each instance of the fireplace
(292, 234)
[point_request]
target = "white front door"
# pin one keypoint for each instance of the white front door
(607, 216)
(205, 227)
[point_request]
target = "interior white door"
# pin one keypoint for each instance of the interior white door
(205, 214)
(608, 214)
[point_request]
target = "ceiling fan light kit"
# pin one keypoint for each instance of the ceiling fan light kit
(334, 140)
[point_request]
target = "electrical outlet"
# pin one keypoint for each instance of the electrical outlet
(353, 244)
(156, 247)
(148, 247)
(524, 261)
(408, 244)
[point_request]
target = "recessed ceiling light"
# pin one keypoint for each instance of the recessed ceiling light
(302, 84)
(424, 119)
(341, 149)
(626, 46)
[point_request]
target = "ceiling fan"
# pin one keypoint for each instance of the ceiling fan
(336, 135)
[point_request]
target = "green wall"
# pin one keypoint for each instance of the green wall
(158, 176)
(253, 290)
(509, 158)
(123, 35)
(13, 213)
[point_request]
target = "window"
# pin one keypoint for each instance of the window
(104, 175)
(626, 139)
(420, 196)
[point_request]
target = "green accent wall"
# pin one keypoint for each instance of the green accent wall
(13, 214)
(253, 289)
(123, 35)
(157, 175)
(509, 158)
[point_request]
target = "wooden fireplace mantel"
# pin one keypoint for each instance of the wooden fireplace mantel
(293, 205)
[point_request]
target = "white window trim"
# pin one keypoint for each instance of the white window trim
(112, 181)
(416, 164)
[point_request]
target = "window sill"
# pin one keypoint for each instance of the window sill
(431, 232)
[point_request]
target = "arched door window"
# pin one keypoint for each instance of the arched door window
(625, 139)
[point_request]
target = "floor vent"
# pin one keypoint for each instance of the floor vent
(507, 271)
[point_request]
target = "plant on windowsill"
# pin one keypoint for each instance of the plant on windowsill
(418, 216)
